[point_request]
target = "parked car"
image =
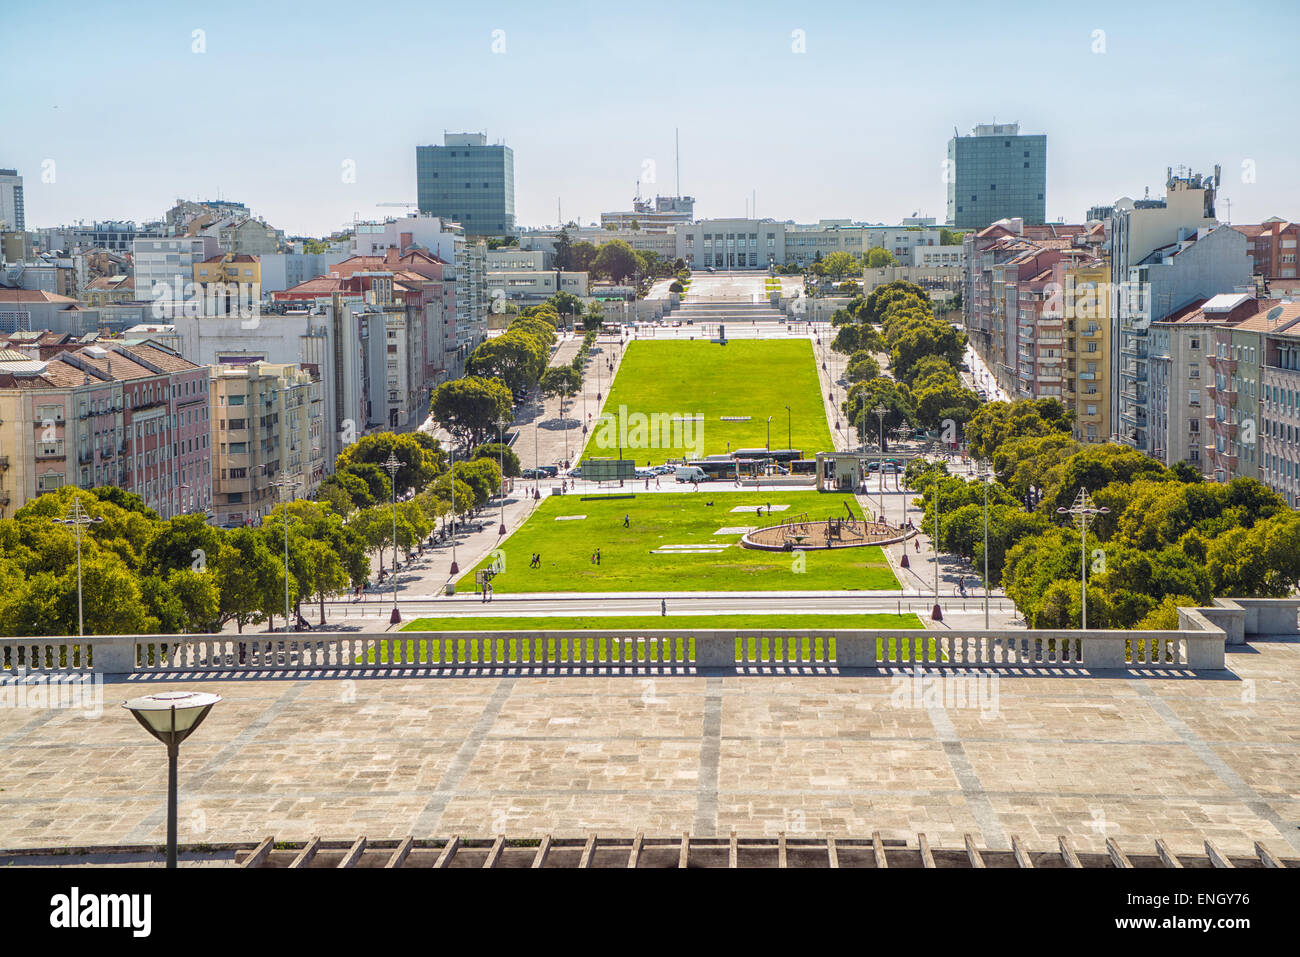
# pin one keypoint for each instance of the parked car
(549, 471)
(662, 470)
(530, 473)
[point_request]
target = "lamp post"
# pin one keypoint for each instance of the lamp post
(455, 568)
(881, 412)
(286, 485)
(391, 465)
(501, 456)
(769, 433)
(77, 518)
(537, 465)
(171, 717)
(1083, 509)
(936, 613)
(986, 476)
(789, 429)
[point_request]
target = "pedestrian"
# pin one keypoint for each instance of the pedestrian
(597, 556)
(917, 543)
(626, 522)
(663, 606)
(656, 482)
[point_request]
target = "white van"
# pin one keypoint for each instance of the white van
(690, 473)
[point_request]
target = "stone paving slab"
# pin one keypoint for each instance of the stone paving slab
(1133, 758)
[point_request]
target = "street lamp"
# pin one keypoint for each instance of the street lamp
(501, 450)
(391, 465)
(936, 613)
(77, 517)
(986, 476)
(769, 433)
(171, 717)
(286, 485)
(789, 429)
(881, 412)
(1084, 509)
(451, 470)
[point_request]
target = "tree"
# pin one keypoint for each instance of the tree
(561, 381)
(594, 317)
(677, 287)
(582, 256)
(419, 464)
(862, 369)
(496, 451)
(926, 339)
(839, 264)
(469, 407)
(616, 260)
(246, 577)
(182, 542)
(539, 328)
(515, 357)
(878, 257)
(566, 303)
(563, 250)
(483, 477)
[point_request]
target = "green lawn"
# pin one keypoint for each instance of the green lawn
(751, 647)
(658, 380)
(680, 519)
(588, 623)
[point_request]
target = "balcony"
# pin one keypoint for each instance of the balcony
(4, 462)
(1220, 364)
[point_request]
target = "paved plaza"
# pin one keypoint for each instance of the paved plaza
(1179, 758)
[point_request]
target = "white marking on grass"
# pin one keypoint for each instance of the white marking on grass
(759, 508)
(735, 530)
(569, 518)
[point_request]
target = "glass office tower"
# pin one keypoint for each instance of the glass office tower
(467, 181)
(996, 173)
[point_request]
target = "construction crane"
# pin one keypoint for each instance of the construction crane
(397, 204)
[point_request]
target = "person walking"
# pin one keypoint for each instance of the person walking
(597, 556)
(663, 606)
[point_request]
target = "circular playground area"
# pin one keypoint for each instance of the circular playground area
(805, 532)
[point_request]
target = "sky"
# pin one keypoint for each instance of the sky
(827, 110)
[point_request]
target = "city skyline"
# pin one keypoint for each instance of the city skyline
(850, 127)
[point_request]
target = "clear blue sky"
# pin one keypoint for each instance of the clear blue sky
(585, 93)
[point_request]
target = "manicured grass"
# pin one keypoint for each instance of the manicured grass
(499, 631)
(659, 519)
(746, 377)
(653, 622)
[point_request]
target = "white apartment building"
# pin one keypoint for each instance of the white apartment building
(12, 212)
(169, 262)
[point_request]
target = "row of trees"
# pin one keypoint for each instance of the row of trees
(143, 575)
(925, 356)
(614, 260)
(1169, 538)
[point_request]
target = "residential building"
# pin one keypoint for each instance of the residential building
(1278, 325)
(996, 173)
(1271, 246)
(281, 271)
(164, 266)
(1197, 266)
(108, 289)
(13, 213)
(468, 181)
(246, 236)
(998, 258)
(1137, 229)
(268, 427)
(324, 339)
(27, 309)
(130, 415)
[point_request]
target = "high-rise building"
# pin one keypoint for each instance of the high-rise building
(995, 173)
(11, 200)
(467, 181)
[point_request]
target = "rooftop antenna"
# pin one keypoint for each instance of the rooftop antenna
(677, 149)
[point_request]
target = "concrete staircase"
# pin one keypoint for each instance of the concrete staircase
(721, 310)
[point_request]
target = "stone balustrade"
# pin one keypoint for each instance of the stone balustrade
(1197, 645)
